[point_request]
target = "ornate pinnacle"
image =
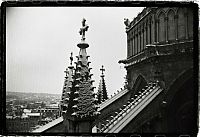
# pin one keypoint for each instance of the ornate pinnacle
(83, 29)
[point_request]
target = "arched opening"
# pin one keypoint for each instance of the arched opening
(139, 39)
(161, 27)
(139, 84)
(171, 26)
(180, 113)
(136, 42)
(150, 31)
(181, 24)
(142, 37)
(128, 49)
(133, 45)
(190, 22)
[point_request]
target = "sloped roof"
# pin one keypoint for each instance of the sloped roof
(33, 114)
(111, 100)
(131, 110)
(48, 125)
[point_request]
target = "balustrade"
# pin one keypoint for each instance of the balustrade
(131, 104)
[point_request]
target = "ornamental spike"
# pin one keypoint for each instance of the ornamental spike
(76, 92)
(64, 111)
(97, 113)
(66, 99)
(92, 81)
(74, 114)
(70, 86)
(77, 86)
(75, 106)
(88, 63)
(92, 88)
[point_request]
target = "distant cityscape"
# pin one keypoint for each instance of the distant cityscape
(28, 111)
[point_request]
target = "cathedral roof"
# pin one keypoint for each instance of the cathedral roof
(49, 125)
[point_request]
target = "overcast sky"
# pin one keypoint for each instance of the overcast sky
(39, 41)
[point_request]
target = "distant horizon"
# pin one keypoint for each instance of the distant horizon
(39, 41)
(33, 92)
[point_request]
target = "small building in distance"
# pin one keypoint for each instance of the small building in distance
(25, 123)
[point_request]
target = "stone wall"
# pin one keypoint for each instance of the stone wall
(159, 26)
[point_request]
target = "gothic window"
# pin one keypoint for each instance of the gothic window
(147, 32)
(152, 31)
(142, 37)
(133, 44)
(139, 40)
(190, 22)
(171, 26)
(181, 23)
(128, 49)
(136, 44)
(161, 27)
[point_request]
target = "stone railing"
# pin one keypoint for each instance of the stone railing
(158, 49)
(131, 109)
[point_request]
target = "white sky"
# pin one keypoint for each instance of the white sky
(39, 41)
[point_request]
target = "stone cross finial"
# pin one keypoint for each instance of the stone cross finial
(71, 58)
(102, 69)
(83, 29)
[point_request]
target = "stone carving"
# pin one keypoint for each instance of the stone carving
(127, 23)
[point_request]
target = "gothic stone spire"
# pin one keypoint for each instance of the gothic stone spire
(82, 103)
(102, 92)
(67, 87)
